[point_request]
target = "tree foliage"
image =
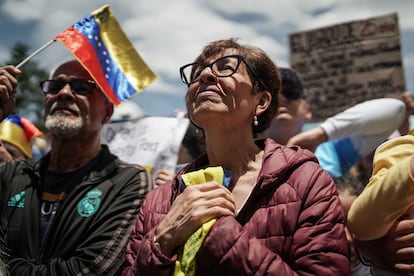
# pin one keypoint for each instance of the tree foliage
(29, 98)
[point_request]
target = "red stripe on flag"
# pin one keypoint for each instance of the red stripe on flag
(80, 46)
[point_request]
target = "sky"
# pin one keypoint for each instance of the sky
(171, 33)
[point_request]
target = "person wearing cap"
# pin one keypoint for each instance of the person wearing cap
(17, 135)
(71, 211)
(341, 140)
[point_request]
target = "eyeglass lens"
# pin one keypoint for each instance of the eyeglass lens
(79, 86)
(222, 67)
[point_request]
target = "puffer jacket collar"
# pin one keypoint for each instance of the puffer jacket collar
(278, 162)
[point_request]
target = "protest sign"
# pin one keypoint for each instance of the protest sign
(152, 142)
(344, 64)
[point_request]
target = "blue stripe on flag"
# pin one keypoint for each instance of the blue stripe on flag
(89, 27)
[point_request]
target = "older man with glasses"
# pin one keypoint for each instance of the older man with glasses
(70, 212)
(340, 141)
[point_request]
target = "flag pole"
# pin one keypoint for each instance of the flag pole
(23, 62)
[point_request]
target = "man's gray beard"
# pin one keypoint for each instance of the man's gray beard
(61, 125)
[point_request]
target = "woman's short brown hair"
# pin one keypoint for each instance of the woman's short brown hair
(263, 67)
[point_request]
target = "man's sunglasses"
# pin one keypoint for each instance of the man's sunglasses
(78, 86)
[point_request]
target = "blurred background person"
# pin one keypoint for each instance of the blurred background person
(18, 138)
(340, 140)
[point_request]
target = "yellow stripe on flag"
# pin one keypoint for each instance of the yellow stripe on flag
(121, 49)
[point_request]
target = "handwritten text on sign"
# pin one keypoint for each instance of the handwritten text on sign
(152, 142)
(348, 63)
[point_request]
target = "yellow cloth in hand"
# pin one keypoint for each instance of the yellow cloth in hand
(185, 264)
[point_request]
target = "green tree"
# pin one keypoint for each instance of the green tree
(29, 98)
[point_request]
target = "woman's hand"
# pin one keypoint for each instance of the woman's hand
(196, 205)
(8, 89)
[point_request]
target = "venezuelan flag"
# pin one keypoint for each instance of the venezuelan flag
(101, 46)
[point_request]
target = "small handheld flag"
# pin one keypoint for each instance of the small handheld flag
(101, 46)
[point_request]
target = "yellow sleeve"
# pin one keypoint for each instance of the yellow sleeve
(389, 193)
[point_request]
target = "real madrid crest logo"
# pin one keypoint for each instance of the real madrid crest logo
(88, 205)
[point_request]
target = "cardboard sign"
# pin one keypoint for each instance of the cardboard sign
(152, 142)
(345, 64)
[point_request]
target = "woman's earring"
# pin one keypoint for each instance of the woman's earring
(255, 122)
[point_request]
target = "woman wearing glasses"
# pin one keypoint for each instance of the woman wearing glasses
(274, 210)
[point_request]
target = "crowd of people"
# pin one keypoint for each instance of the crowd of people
(253, 193)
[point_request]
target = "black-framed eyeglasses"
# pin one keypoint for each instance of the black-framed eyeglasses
(222, 67)
(78, 86)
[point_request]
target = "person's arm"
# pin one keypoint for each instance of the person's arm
(309, 139)
(100, 250)
(389, 193)
(164, 176)
(345, 138)
(8, 89)
(368, 123)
